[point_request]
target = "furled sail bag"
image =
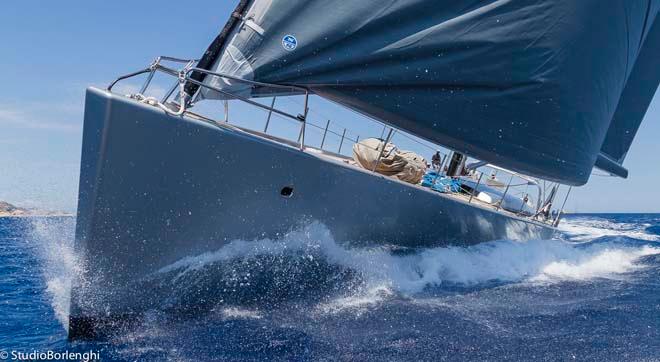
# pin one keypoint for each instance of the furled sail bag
(405, 165)
(528, 85)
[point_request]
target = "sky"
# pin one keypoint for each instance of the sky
(50, 51)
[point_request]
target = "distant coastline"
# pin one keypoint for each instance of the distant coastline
(9, 210)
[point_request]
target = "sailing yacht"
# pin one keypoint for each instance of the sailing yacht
(534, 92)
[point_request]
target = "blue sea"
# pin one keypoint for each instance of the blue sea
(591, 294)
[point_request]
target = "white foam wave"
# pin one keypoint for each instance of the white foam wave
(383, 274)
(589, 228)
(550, 260)
(239, 313)
(604, 263)
(358, 302)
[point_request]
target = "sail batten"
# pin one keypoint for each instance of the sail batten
(529, 85)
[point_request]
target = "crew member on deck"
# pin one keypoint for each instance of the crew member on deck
(435, 161)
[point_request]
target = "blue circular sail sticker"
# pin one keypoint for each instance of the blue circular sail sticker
(289, 42)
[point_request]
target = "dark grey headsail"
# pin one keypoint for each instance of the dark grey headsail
(529, 85)
(640, 88)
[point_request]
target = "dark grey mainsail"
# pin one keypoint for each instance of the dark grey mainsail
(529, 85)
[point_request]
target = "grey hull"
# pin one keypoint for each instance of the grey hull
(155, 188)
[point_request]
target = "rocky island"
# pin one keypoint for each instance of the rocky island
(8, 210)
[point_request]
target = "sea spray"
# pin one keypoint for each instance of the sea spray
(541, 300)
(53, 241)
(310, 264)
(504, 260)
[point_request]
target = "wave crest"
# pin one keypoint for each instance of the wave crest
(505, 260)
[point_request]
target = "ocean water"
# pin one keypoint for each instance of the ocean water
(593, 293)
